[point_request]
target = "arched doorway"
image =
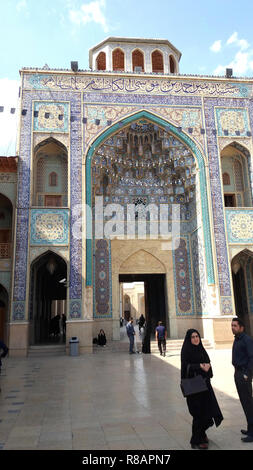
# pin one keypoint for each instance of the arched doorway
(4, 305)
(242, 274)
(47, 299)
(142, 266)
(154, 297)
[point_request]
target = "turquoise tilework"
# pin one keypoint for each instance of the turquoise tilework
(239, 225)
(51, 123)
(230, 121)
(49, 227)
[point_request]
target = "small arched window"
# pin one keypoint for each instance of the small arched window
(138, 61)
(226, 179)
(118, 60)
(172, 65)
(101, 61)
(157, 62)
(53, 179)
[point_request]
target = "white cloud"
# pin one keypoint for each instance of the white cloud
(242, 63)
(216, 46)
(90, 12)
(8, 121)
(241, 43)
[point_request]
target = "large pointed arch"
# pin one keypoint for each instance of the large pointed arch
(177, 132)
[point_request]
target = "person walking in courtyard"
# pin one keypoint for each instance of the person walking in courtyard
(242, 360)
(3, 352)
(203, 406)
(131, 333)
(161, 335)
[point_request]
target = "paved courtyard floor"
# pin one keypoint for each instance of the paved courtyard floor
(109, 401)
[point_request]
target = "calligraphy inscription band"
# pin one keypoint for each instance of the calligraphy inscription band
(135, 85)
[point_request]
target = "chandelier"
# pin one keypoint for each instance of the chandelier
(144, 155)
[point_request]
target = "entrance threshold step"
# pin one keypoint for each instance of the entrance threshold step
(47, 350)
(171, 345)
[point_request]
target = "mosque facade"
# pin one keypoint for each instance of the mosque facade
(128, 172)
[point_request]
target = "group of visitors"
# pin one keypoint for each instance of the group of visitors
(160, 334)
(195, 363)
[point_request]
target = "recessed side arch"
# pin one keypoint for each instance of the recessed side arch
(47, 297)
(202, 176)
(52, 251)
(242, 276)
(50, 140)
(235, 159)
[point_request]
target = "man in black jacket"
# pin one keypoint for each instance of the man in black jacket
(242, 360)
(3, 352)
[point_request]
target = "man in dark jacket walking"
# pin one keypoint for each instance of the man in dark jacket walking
(242, 360)
(161, 335)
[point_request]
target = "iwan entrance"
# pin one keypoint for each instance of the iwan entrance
(155, 302)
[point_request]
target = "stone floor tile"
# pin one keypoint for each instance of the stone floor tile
(56, 436)
(126, 444)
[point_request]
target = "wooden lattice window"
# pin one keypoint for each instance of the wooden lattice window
(118, 60)
(138, 61)
(238, 176)
(226, 179)
(157, 62)
(53, 201)
(172, 65)
(101, 61)
(53, 179)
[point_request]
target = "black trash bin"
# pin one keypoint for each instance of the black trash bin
(74, 346)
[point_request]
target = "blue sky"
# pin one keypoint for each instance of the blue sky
(211, 36)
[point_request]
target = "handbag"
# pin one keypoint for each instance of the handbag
(190, 386)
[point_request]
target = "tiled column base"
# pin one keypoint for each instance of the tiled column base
(83, 331)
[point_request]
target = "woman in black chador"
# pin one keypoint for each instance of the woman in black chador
(101, 338)
(203, 406)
